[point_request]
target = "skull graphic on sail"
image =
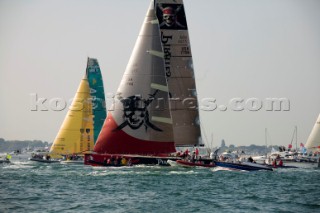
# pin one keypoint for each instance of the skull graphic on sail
(170, 16)
(135, 112)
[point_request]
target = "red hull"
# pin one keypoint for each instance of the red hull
(119, 142)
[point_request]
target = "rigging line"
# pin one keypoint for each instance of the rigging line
(204, 131)
(293, 135)
(269, 138)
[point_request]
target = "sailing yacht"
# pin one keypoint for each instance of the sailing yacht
(289, 155)
(294, 157)
(156, 107)
(70, 140)
(83, 121)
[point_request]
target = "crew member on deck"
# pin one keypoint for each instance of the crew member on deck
(186, 152)
(105, 162)
(193, 158)
(250, 159)
(8, 156)
(274, 163)
(123, 161)
(197, 153)
(280, 163)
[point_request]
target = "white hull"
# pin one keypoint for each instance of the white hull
(255, 165)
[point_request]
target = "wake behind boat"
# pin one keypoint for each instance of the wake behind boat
(44, 160)
(73, 159)
(243, 166)
(44, 156)
(283, 167)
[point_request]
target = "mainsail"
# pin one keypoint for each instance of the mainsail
(139, 122)
(179, 72)
(313, 141)
(97, 94)
(76, 132)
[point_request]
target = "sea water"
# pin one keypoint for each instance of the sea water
(27, 186)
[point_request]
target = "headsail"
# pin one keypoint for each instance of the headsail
(97, 94)
(76, 132)
(313, 141)
(179, 72)
(140, 121)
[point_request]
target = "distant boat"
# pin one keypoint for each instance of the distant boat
(232, 162)
(5, 161)
(143, 126)
(262, 158)
(286, 155)
(83, 121)
(5, 158)
(43, 158)
(312, 145)
(294, 156)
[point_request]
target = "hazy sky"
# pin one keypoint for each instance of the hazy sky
(241, 49)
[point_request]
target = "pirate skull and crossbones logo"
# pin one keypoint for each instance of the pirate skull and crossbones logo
(170, 16)
(135, 112)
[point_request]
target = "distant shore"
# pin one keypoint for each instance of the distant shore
(13, 145)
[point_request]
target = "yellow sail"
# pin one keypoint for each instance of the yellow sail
(76, 132)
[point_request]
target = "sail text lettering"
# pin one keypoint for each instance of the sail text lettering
(167, 52)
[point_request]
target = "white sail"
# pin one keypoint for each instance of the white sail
(313, 141)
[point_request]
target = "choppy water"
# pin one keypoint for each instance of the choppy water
(37, 187)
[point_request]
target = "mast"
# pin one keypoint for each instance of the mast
(265, 139)
(296, 138)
